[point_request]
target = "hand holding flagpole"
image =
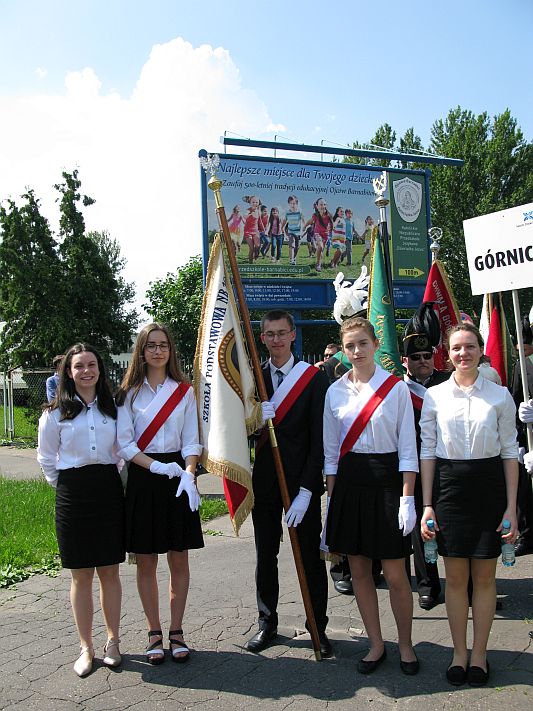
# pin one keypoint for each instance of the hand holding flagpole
(210, 165)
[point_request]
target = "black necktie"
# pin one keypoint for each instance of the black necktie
(280, 375)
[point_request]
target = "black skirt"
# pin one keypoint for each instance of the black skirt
(363, 510)
(157, 521)
(90, 516)
(469, 497)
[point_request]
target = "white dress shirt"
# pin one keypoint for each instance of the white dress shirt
(178, 433)
(390, 429)
(477, 423)
(285, 369)
(90, 438)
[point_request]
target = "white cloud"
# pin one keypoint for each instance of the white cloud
(41, 73)
(137, 155)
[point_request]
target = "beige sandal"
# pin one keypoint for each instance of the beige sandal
(84, 663)
(112, 656)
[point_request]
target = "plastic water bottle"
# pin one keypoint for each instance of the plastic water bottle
(430, 546)
(508, 555)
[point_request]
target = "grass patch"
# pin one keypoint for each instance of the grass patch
(28, 542)
(27, 530)
(212, 508)
(23, 427)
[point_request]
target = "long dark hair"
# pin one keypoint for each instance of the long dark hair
(136, 372)
(67, 401)
(319, 214)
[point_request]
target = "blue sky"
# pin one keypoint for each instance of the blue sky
(108, 87)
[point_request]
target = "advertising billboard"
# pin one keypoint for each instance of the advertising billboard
(295, 225)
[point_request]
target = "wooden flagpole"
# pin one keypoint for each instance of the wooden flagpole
(215, 185)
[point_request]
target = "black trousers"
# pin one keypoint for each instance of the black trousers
(267, 517)
(427, 574)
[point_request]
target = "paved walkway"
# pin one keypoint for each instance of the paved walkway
(38, 646)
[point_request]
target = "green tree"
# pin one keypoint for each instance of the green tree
(497, 174)
(176, 301)
(30, 286)
(56, 292)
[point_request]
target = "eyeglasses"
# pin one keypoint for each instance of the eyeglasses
(270, 335)
(418, 356)
(152, 347)
(328, 355)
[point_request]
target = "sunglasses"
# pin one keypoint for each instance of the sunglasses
(418, 356)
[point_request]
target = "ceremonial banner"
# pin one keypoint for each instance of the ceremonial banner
(439, 290)
(381, 313)
(498, 344)
(225, 391)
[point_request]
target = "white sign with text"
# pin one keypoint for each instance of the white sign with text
(499, 249)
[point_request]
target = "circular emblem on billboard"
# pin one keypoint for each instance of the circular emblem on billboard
(408, 198)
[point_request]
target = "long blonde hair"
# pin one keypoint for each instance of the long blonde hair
(136, 372)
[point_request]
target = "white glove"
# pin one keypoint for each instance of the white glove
(525, 411)
(188, 484)
(406, 514)
(171, 469)
(528, 462)
(298, 507)
(268, 410)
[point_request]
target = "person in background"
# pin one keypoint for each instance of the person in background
(524, 543)
(487, 371)
(53, 381)
(77, 452)
(421, 335)
(469, 471)
(329, 351)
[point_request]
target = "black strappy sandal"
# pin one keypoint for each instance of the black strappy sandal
(182, 647)
(155, 654)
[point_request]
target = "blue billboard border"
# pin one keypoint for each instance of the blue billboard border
(316, 283)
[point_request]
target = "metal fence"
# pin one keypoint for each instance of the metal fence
(23, 393)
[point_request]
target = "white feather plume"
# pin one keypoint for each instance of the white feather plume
(351, 297)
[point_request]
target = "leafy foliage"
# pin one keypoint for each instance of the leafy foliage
(176, 301)
(56, 291)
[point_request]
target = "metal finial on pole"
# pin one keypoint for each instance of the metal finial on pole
(380, 186)
(435, 234)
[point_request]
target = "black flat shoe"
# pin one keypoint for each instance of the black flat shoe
(261, 640)
(326, 650)
(368, 667)
(410, 668)
(456, 675)
(476, 676)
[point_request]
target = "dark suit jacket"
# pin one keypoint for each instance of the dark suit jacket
(299, 438)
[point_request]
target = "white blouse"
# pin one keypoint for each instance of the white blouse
(477, 423)
(390, 429)
(178, 433)
(90, 438)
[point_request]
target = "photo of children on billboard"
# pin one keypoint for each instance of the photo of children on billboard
(288, 219)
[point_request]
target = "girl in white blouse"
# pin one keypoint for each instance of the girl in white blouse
(76, 450)
(158, 435)
(469, 478)
(370, 479)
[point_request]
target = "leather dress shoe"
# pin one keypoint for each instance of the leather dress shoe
(368, 667)
(326, 650)
(261, 640)
(410, 668)
(427, 602)
(344, 587)
(522, 547)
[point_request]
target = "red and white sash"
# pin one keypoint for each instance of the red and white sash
(159, 410)
(417, 390)
(365, 412)
(293, 385)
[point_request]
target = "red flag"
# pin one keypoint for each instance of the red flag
(499, 346)
(439, 290)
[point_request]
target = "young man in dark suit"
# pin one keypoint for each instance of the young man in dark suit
(297, 391)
